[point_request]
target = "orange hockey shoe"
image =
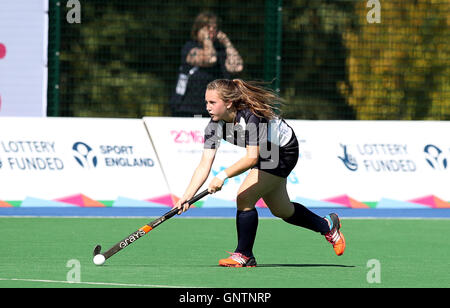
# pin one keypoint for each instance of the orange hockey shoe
(237, 259)
(335, 236)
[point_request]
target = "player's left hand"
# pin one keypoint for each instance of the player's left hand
(215, 185)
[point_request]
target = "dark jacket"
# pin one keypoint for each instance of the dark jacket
(188, 98)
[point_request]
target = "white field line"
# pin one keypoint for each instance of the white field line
(116, 284)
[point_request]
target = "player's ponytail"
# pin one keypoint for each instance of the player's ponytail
(262, 101)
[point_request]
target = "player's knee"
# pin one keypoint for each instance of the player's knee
(280, 213)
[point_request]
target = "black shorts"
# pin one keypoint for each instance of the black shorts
(282, 164)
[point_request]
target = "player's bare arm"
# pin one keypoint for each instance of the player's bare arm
(198, 179)
(242, 165)
(248, 161)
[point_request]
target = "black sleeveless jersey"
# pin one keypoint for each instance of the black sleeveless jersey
(248, 129)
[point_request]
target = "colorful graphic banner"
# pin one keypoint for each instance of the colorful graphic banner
(179, 143)
(66, 162)
(77, 162)
(387, 162)
(349, 164)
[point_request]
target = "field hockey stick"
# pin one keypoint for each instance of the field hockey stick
(143, 230)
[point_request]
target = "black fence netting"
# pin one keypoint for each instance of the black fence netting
(347, 59)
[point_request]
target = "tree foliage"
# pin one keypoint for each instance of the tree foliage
(400, 68)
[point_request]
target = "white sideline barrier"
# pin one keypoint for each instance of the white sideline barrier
(179, 144)
(372, 160)
(56, 158)
(368, 161)
(342, 163)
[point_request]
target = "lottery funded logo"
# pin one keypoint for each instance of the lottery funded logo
(377, 157)
(30, 155)
(348, 160)
(110, 156)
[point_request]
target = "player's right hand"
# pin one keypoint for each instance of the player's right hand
(182, 205)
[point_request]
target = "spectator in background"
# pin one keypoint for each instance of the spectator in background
(209, 55)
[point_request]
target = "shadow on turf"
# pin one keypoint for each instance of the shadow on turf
(259, 265)
(304, 265)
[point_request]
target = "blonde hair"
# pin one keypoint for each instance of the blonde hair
(262, 101)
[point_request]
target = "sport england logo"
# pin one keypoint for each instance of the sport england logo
(348, 160)
(84, 155)
(434, 157)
